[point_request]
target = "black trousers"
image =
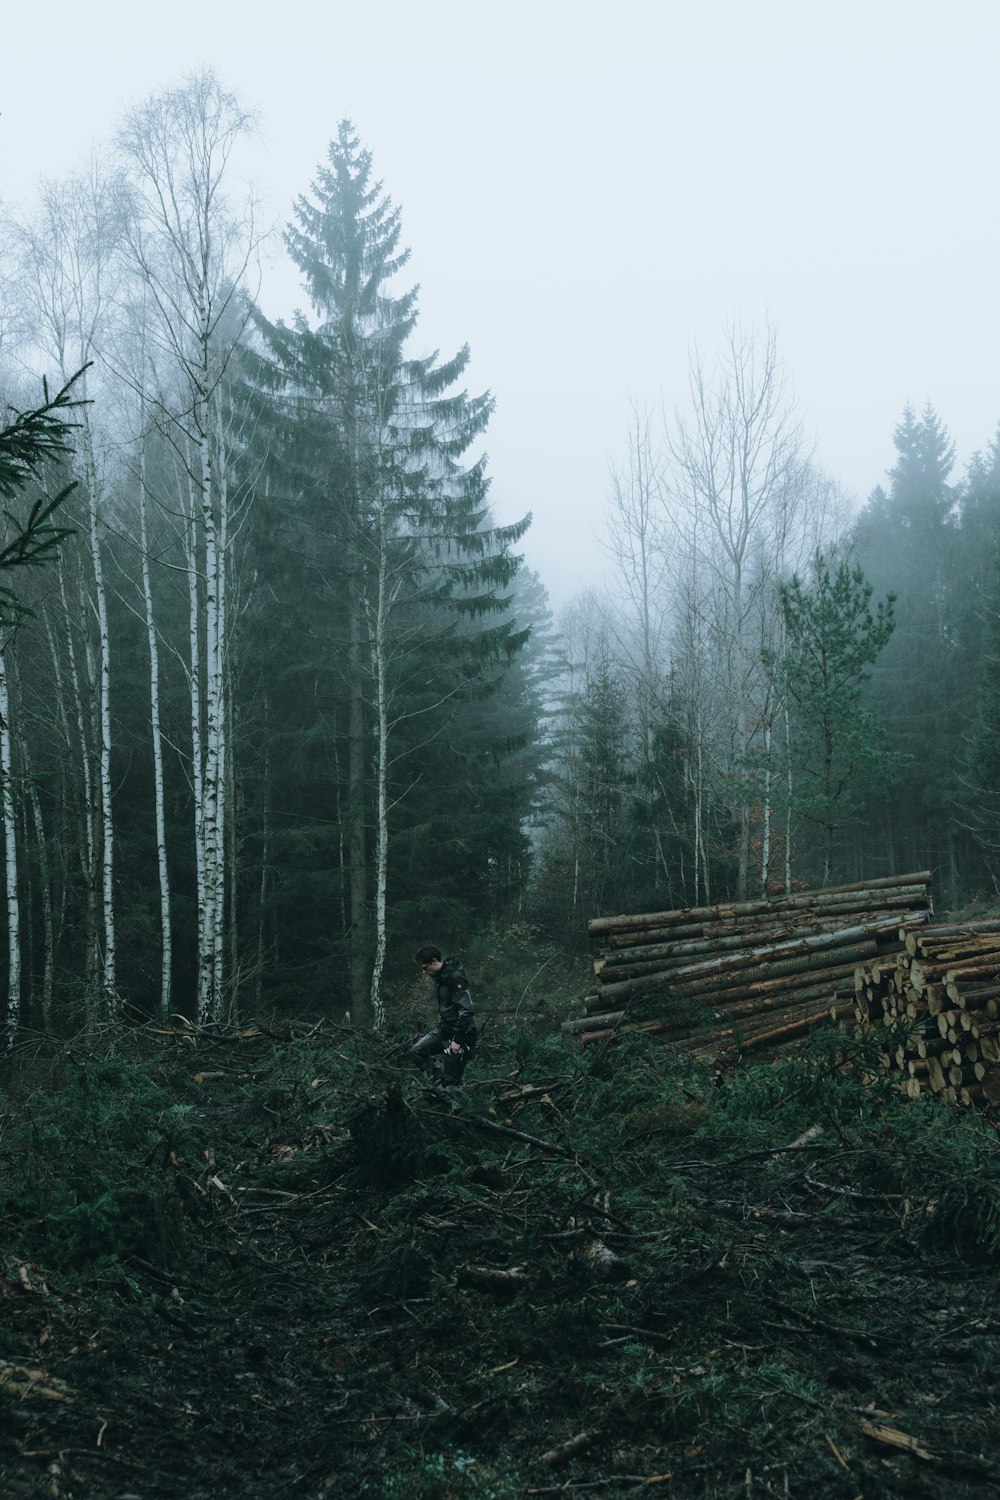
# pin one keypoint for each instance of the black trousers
(429, 1048)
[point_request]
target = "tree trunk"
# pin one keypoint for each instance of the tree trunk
(10, 860)
(377, 633)
(166, 940)
(197, 751)
(356, 802)
(109, 964)
(83, 692)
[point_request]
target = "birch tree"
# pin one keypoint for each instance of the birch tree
(11, 896)
(637, 545)
(139, 536)
(739, 468)
(191, 253)
(70, 251)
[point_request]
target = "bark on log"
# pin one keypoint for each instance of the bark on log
(740, 969)
(984, 970)
(587, 1023)
(941, 931)
(789, 1029)
(795, 902)
(766, 972)
(837, 977)
(754, 936)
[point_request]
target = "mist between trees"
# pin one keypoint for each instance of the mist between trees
(286, 701)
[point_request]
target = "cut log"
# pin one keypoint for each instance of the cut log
(587, 1023)
(819, 898)
(935, 1075)
(701, 979)
(790, 1028)
(935, 931)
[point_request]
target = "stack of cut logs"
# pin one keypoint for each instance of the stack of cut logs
(749, 974)
(939, 1000)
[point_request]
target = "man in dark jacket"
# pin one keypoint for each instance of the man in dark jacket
(454, 1037)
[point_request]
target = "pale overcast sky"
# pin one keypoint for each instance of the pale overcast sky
(590, 188)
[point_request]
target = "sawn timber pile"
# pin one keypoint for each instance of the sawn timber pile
(939, 1002)
(751, 973)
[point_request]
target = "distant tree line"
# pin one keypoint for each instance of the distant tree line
(774, 691)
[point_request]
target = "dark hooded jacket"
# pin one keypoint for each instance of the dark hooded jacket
(455, 1003)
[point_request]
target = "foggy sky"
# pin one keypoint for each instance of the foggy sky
(590, 189)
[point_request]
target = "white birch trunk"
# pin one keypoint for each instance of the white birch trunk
(109, 965)
(700, 819)
(765, 856)
(209, 996)
(222, 698)
(10, 863)
(197, 752)
(377, 631)
(83, 693)
(166, 942)
(231, 972)
(358, 851)
(789, 790)
(192, 256)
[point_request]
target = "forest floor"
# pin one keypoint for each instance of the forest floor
(278, 1265)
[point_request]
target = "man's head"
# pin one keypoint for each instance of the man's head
(429, 958)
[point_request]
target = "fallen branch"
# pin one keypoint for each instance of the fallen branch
(567, 1450)
(892, 1437)
(492, 1279)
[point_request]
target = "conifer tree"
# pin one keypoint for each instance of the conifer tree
(839, 748)
(906, 540)
(30, 442)
(978, 799)
(393, 525)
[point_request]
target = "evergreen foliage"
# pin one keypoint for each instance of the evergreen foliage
(31, 442)
(840, 749)
(401, 629)
(908, 545)
(978, 797)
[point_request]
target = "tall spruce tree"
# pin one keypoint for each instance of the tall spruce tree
(906, 545)
(978, 798)
(391, 523)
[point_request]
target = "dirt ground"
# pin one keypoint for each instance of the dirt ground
(378, 1287)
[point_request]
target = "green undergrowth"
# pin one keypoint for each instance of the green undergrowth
(94, 1146)
(705, 1270)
